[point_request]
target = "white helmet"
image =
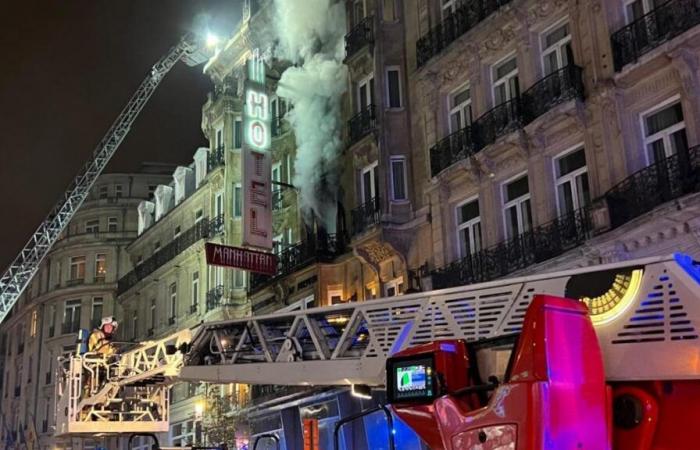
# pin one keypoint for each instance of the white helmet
(109, 320)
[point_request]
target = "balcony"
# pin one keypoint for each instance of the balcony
(277, 200)
(324, 248)
(558, 87)
(203, 229)
(366, 215)
(666, 180)
(215, 299)
(454, 25)
(540, 244)
(361, 35)
(216, 158)
(660, 25)
(361, 124)
(277, 126)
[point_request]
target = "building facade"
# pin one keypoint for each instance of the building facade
(74, 288)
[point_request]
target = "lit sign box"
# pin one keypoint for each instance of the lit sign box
(411, 379)
(241, 258)
(257, 163)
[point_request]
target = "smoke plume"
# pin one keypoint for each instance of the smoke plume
(310, 34)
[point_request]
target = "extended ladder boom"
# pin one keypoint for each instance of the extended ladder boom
(20, 272)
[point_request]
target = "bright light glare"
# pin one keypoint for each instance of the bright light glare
(212, 40)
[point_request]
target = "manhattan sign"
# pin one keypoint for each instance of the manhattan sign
(241, 258)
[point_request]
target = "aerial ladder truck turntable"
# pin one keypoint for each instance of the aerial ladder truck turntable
(604, 357)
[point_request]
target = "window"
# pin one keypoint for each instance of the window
(96, 313)
(238, 278)
(389, 10)
(365, 93)
(71, 316)
(219, 139)
(277, 244)
(393, 87)
(153, 314)
(173, 300)
(469, 227)
(572, 181)
(77, 268)
(104, 193)
(394, 287)
(277, 172)
(237, 133)
(556, 49)
(92, 226)
(34, 323)
(335, 296)
(198, 215)
(664, 132)
(118, 190)
(516, 207)
(112, 223)
(219, 204)
(134, 326)
(237, 201)
(52, 320)
(195, 290)
(358, 11)
(398, 178)
(370, 183)
(505, 81)
(151, 190)
(637, 8)
(460, 104)
(100, 266)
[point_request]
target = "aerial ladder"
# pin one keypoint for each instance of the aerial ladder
(190, 49)
(628, 336)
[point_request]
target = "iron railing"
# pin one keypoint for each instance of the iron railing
(203, 229)
(361, 124)
(277, 200)
(362, 34)
(216, 158)
(455, 147)
(665, 180)
(660, 25)
(537, 245)
(322, 248)
(276, 126)
(558, 87)
(366, 215)
(216, 299)
(454, 25)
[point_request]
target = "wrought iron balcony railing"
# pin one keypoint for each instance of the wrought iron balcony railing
(558, 87)
(665, 180)
(661, 24)
(276, 126)
(540, 244)
(454, 25)
(362, 34)
(361, 124)
(366, 215)
(216, 158)
(277, 200)
(455, 147)
(203, 229)
(322, 248)
(216, 299)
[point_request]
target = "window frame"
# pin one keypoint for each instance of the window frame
(459, 108)
(666, 132)
(219, 204)
(77, 265)
(470, 224)
(495, 82)
(237, 201)
(96, 301)
(173, 300)
(195, 288)
(517, 202)
(100, 257)
(369, 93)
(396, 69)
(373, 169)
(402, 160)
(569, 177)
(112, 221)
(557, 47)
(92, 226)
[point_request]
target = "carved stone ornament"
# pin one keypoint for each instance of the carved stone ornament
(375, 252)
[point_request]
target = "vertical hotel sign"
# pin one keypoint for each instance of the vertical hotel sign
(257, 198)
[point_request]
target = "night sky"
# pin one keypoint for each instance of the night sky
(67, 69)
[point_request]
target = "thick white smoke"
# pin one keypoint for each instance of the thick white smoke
(310, 34)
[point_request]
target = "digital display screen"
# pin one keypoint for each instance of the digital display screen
(412, 379)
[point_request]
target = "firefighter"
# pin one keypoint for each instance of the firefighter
(100, 340)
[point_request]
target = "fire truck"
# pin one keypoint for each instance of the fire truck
(602, 357)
